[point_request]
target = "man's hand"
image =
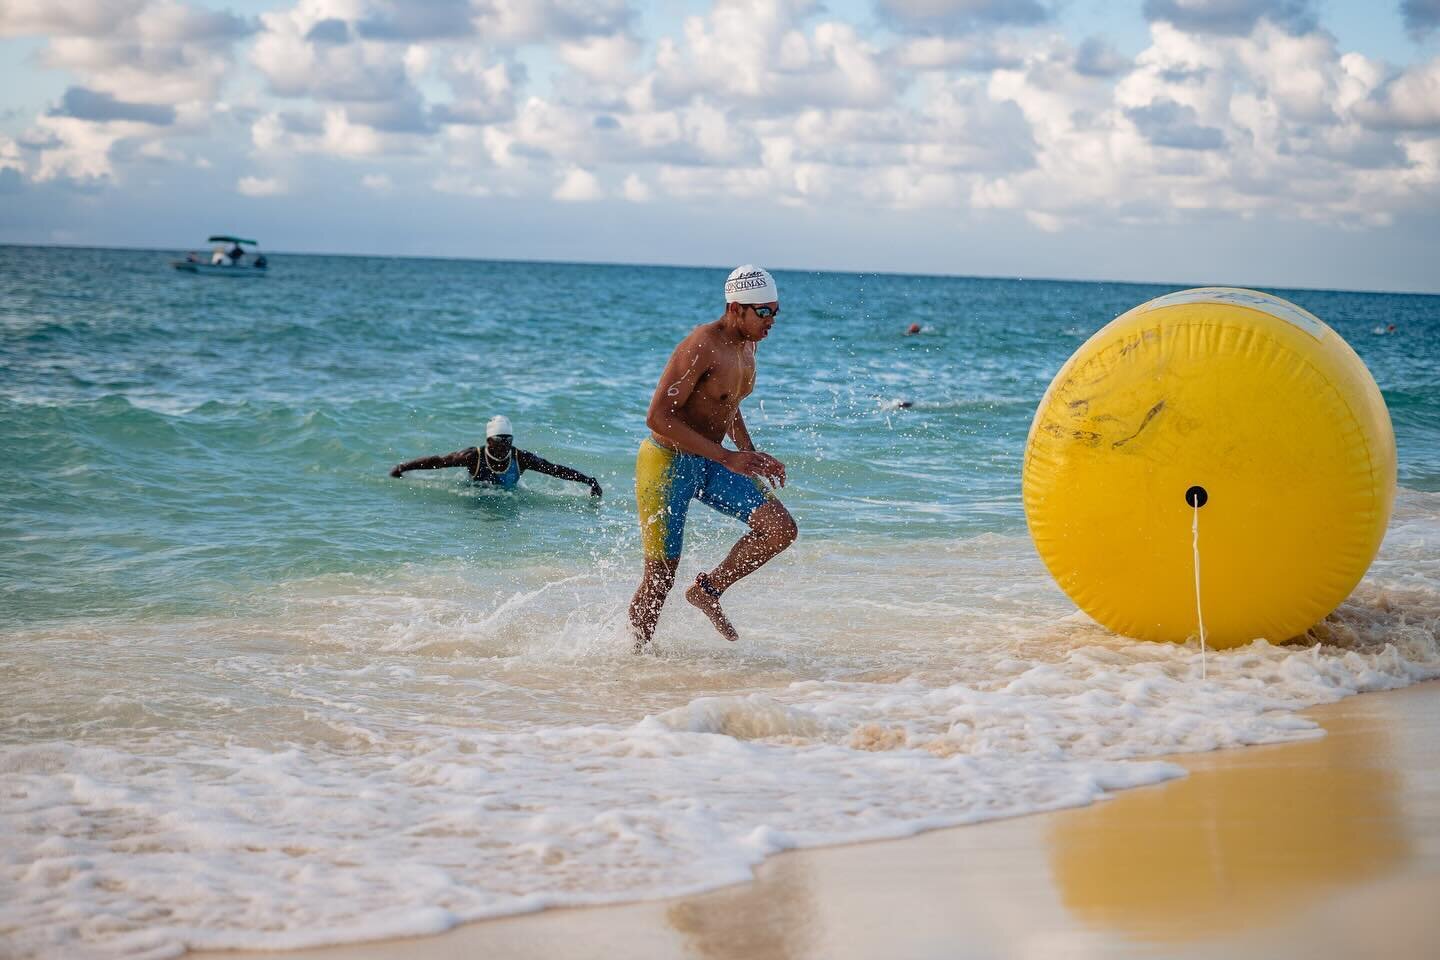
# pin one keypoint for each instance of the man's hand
(753, 463)
(397, 472)
(595, 490)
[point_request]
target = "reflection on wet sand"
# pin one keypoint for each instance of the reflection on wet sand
(1314, 850)
(1236, 845)
(772, 918)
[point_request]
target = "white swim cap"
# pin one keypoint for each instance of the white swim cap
(750, 284)
(499, 426)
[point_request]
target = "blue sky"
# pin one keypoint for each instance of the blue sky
(1261, 142)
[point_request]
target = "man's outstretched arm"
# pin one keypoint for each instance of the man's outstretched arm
(460, 458)
(528, 461)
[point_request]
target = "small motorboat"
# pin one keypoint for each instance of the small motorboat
(231, 261)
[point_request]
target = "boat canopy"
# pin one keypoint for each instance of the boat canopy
(218, 238)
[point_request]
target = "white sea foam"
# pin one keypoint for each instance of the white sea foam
(359, 758)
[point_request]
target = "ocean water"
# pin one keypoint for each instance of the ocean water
(256, 693)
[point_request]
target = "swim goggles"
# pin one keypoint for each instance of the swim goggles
(765, 313)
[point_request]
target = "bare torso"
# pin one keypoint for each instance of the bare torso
(724, 375)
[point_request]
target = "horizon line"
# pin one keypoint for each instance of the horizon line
(701, 266)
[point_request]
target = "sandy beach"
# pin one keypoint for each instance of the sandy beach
(1324, 848)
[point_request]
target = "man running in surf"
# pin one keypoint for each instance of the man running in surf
(695, 407)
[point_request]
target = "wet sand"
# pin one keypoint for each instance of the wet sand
(1325, 848)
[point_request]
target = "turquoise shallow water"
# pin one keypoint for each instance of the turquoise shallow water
(172, 442)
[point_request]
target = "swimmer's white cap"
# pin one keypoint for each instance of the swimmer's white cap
(750, 284)
(499, 426)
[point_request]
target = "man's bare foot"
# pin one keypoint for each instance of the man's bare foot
(705, 598)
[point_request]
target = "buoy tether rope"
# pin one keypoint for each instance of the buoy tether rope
(1196, 497)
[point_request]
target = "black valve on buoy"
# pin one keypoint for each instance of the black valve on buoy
(1196, 496)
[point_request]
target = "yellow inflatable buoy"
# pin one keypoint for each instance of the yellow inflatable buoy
(1237, 401)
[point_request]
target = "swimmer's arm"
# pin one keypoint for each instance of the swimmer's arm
(687, 367)
(741, 434)
(528, 461)
(460, 458)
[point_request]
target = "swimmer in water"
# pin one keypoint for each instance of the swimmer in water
(694, 408)
(499, 463)
(913, 329)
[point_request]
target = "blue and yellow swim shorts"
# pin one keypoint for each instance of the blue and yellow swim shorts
(667, 480)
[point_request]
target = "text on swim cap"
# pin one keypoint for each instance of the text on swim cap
(746, 281)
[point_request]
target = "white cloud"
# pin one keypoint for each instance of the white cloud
(965, 125)
(418, 60)
(268, 132)
(334, 132)
(734, 183)
(92, 18)
(578, 186)
(145, 51)
(753, 52)
(161, 151)
(78, 150)
(461, 185)
(10, 158)
(697, 134)
(378, 182)
(1299, 73)
(1410, 101)
(981, 54)
(349, 139)
(543, 129)
(1047, 222)
(299, 60)
(996, 194)
(483, 90)
(634, 189)
(603, 59)
(260, 187)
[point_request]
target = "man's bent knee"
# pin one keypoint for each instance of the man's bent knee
(786, 531)
(775, 524)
